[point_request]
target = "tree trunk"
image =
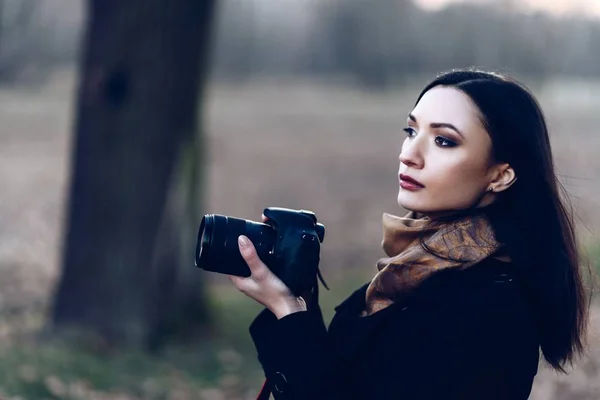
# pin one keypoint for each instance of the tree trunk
(133, 202)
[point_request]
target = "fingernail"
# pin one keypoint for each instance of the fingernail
(242, 241)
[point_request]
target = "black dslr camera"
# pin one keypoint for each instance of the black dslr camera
(288, 243)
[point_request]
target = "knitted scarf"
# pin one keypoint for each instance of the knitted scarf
(455, 245)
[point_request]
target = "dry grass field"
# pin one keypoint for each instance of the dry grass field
(278, 143)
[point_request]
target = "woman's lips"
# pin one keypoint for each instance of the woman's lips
(408, 183)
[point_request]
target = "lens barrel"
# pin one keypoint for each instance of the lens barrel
(217, 246)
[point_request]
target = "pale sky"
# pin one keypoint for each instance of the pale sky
(589, 7)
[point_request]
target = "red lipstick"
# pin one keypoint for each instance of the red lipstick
(409, 183)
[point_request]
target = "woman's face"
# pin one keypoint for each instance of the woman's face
(447, 151)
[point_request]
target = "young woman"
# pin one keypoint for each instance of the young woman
(480, 276)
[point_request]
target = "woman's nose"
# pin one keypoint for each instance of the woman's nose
(411, 154)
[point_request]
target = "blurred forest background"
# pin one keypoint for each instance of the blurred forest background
(124, 121)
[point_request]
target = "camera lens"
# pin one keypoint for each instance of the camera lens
(217, 247)
(204, 234)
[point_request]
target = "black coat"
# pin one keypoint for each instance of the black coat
(464, 335)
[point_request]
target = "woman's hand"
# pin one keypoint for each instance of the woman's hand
(264, 286)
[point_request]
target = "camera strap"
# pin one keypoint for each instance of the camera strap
(265, 391)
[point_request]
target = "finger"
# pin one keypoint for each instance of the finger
(244, 285)
(257, 268)
(263, 218)
(238, 281)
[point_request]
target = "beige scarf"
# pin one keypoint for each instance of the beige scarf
(468, 240)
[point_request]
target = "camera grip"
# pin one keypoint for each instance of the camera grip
(301, 265)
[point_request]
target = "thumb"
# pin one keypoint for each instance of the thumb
(248, 252)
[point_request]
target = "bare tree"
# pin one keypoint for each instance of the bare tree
(128, 273)
(23, 38)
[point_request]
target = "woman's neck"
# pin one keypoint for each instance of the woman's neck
(444, 215)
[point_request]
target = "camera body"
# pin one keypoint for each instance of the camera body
(289, 244)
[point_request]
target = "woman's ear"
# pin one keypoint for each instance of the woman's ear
(503, 177)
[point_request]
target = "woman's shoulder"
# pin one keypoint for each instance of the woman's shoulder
(487, 284)
(489, 295)
(488, 279)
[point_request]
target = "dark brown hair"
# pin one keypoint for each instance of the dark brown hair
(534, 217)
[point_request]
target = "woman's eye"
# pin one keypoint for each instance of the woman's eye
(410, 132)
(443, 142)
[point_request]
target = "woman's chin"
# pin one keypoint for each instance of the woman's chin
(413, 203)
(408, 201)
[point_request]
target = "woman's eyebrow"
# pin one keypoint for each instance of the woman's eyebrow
(438, 125)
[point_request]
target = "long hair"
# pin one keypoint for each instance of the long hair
(533, 218)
